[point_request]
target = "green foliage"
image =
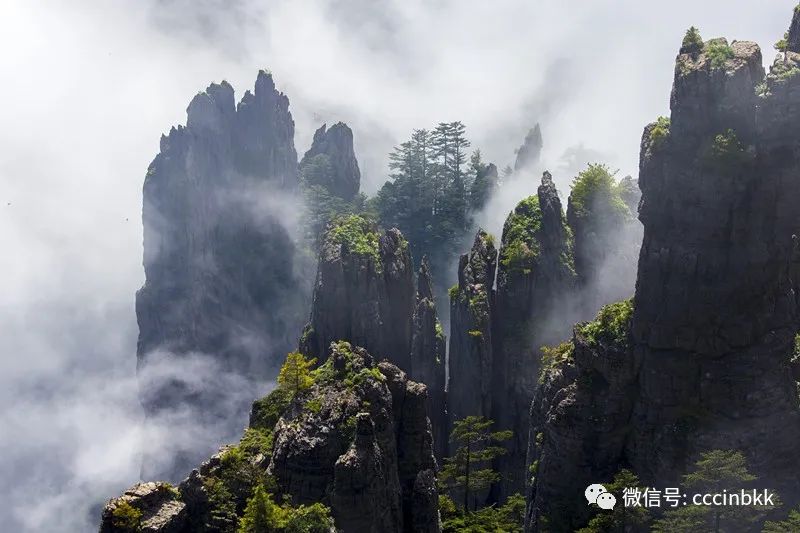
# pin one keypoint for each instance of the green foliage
(521, 236)
(727, 153)
(507, 518)
(439, 328)
(266, 411)
(621, 518)
(790, 525)
(783, 44)
(221, 506)
(719, 52)
(692, 40)
(483, 183)
(714, 472)
(352, 375)
(596, 199)
(611, 326)
(555, 356)
(314, 405)
(475, 333)
(295, 374)
(659, 132)
(126, 517)
(255, 442)
(468, 470)
(453, 292)
(262, 515)
(357, 235)
(688, 519)
(322, 207)
(429, 195)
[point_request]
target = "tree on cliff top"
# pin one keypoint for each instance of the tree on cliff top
(295, 374)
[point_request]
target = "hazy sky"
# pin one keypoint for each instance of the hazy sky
(87, 87)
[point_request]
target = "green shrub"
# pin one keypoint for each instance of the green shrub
(659, 132)
(612, 325)
(357, 235)
(126, 517)
(726, 152)
(520, 236)
(719, 52)
(266, 411)
(553, 356)
(453, 292)
(596, 190)
(508, 518)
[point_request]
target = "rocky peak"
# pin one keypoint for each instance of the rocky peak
(331, 161)
(470, 355)
(700, 359)
(214, 288)
(428, 354)
(528, 154)
(364, 291)
(793, 37)
(357, 441)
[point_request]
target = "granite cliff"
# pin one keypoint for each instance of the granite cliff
(700, 359)
(223, 278)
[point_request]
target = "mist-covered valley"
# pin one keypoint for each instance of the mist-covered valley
(162, 260)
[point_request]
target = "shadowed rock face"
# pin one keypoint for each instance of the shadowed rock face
(358, 441)
(528, 154)
(706, 358)
(428, 353)
(331, 161)
(536, 275)
(220, 266)
(364, 292)
(470, 360)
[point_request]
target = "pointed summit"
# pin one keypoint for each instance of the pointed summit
(528, 154)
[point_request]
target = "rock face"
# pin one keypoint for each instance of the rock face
(364, 452)
(357, 441)
(471, 304)
(221, 271)
(706, 363)
(528, 154)
(146, 507)
(364, 292)
(331, 162)
(428, 353)
(536, 280)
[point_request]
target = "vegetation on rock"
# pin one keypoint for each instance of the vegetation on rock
(295, 374)
(692, 42)
(468, 470)
(508, 518)
(659, 132)
(126, 517)
(520, 236)
(719, 52)
(555, 356)
(611, 326)
(357, 235)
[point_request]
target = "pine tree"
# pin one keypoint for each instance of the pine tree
(467, 470)
(295, 374)
(259, 515)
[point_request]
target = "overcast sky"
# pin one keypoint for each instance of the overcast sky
(87, 88)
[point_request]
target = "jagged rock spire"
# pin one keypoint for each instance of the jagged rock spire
(528, 154)
(331, 161)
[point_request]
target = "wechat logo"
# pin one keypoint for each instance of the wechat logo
(597, 494)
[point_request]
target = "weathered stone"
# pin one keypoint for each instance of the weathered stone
(331, 162)
(221, 269)
(528, 154)
(159, 507)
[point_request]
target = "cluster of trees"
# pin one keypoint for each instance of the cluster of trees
(434, 189)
